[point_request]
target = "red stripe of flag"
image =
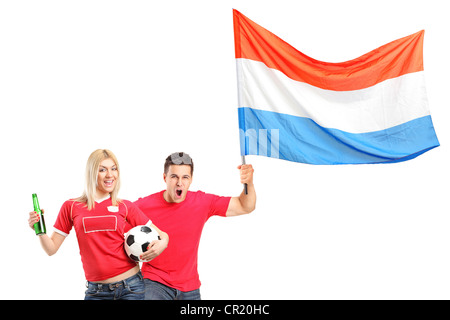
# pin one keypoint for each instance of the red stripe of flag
(392, 60)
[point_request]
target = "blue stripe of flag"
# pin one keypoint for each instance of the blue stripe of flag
(301, 139)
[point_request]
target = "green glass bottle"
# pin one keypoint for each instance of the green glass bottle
(39, 227)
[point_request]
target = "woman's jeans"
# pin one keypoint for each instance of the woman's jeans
(132, 288)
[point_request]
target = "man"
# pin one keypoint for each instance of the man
(182, 214)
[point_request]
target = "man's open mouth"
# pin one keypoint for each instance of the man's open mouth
(179, 192)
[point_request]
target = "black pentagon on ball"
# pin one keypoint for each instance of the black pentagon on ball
(145, 246)
(132, 256)
(130, 240)
(146, 229)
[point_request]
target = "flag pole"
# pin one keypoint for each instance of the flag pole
(237, 48)
(245, 185)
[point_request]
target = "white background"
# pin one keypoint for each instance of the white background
(147, 78)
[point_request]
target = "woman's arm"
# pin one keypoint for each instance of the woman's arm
(49, 244)
(156, 247)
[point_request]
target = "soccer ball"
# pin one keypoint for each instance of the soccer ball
(137, 240)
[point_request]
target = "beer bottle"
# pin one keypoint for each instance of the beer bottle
(39, 227)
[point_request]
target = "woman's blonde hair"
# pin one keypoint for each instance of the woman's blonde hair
(92, 167)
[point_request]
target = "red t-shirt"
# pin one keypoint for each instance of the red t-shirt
(176, 267)
(100, 234)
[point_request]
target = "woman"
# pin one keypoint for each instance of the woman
(99, 219)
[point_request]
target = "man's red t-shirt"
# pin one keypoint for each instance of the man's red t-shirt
(176, 267)
(100, 234)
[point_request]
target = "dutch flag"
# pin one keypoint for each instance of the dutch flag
(372, 109)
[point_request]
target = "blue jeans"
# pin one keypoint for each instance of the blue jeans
(132, 288)
(158, 291)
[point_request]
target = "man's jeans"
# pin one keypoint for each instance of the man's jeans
(132, 288)
(158, 291)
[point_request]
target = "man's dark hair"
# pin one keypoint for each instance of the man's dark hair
(178, 158)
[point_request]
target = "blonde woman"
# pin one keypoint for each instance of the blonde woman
(99, 218)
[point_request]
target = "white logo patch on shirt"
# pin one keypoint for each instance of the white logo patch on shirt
(113, 209)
